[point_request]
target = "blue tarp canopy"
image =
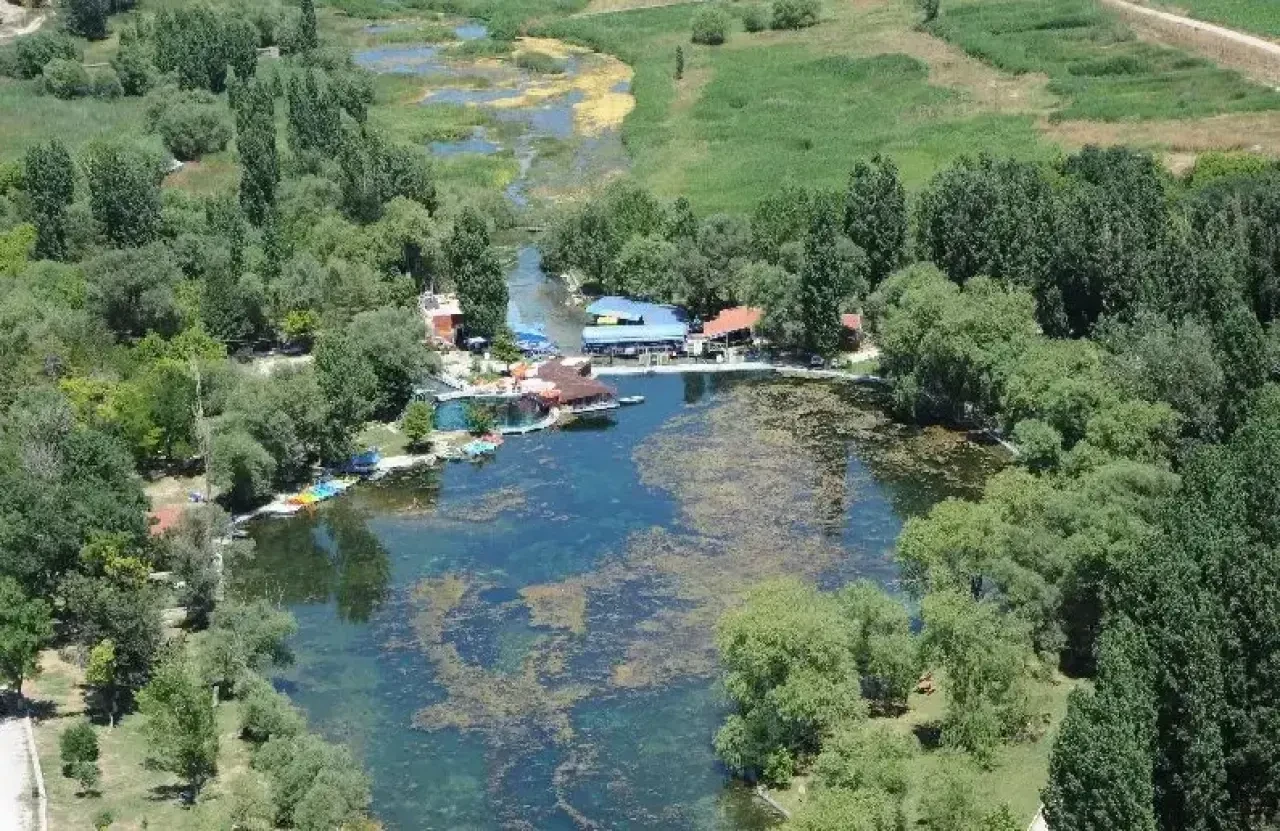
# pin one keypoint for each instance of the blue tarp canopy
(636, 311)
(625, 335)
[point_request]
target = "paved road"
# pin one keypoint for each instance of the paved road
(15, 773)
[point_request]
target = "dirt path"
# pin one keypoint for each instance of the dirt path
(1252, 56)
(14, 21)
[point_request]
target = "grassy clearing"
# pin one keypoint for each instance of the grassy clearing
(1261, 17)
(388, 439)
(1095, 62)
(1019, 772)
(31, 117)
(776, 107)
(131, 791)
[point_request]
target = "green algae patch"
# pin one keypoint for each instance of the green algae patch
(557, 605)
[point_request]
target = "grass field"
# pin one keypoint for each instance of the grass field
(770, 108)
(1260, 17)
(1019, 772)
(131, 791)
(1094, 61)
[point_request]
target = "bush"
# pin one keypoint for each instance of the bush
(32, 52)
(134, 69)
(242, 470)
(710, 26)
(505, 27)
(267, 714)
(795, 14)
(106, 84)
(65, 79)
(755, 18)
(78, 746)
(191, 122)
(417, 423)
(540, 62)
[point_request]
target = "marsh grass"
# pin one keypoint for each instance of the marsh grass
(1095, 63)
(784, 107)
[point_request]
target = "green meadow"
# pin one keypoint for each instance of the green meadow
(1258, 16)
(1094, 61)
(770, 108)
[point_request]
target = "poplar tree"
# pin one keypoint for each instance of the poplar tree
(87, 18)
(308, 36)
(256, 143)
(875, 216)
(820, 280)
(477, 275)
(49, 179)
(124, 193)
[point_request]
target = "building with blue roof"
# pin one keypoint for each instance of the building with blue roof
(634, 338)
(625, 311)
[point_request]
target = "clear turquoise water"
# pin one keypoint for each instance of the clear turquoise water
(553, 506)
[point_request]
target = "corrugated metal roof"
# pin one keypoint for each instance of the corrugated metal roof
(636, 311)
(732, 320)
(634, 334)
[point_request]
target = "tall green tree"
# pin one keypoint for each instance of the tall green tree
(87, 18)
(308, 35)
(820, 282)
(472, 265)
(49, 178)
(875, 216)
(349, 386)
(25, 625)
(790, 672)
(256, 144)
(181, 726)
(1100, 773)
(124, 193)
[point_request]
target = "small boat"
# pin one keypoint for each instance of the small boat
(631, 399)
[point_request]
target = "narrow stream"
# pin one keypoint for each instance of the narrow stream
(543, 108)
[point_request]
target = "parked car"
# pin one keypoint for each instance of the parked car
(816, 362)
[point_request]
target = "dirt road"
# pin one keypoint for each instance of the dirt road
(1252, 56)
(15, 21)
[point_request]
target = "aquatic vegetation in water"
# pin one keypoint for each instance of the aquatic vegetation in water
(490, 506)
(761, 480)
(558, 605)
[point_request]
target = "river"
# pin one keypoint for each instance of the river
(527, 642)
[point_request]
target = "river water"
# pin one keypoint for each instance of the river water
(527, 642)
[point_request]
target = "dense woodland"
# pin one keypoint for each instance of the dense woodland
(1113, 321)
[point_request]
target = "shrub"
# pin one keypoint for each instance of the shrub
(65, 79)
(32, 52)
(755, 18)
(505, 27)
(134, 69)
(106, 84)
(417, 423)
(795, 14)
(710, 26)
(79, 750)
(539, 62)
(191, 122)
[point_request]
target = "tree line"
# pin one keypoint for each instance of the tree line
(1116, 323)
